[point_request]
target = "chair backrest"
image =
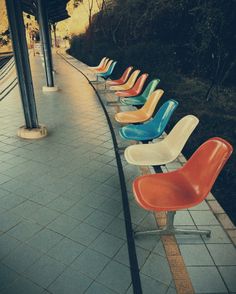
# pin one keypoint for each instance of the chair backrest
(152, 101)
(163, 116)
(126, 74)
(150, 88)
(106, 66)
(139, 83)
(202, 169)
(110, 69)
(132, 79)
(102, 61)
(178, 136)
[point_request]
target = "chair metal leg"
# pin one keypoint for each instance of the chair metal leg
(114, 103)
(170, 229)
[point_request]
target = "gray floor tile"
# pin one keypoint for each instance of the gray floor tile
(150, 285)
(206, 280)
(71, 282)
(66, 251)
(61, 204)
(44, 215)
(63, 224)
(26, 209)
(8, 220)
(202, 218)
(218, 235)
(97, 288)
(45, 240)
(195, 255)
(229, 273)
(25, 230)
(99, 219)
(223, 254)
(116, 277)
(79, 211)
(93, 200)
(44, 197)
(21, 258)
(159, 249)
(7, 244)
(183, 218)
(157, 267)
(7, 276)
(44, 271)
(107, 244)
(122, 255)
(111, 206)
(10, 201)
(189, 239)
(84, 234)
(117, 228)
(23, 286)
(90, 263)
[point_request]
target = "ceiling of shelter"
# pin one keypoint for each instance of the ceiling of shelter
(56, 9)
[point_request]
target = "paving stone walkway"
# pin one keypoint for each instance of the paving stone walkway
(62, 227)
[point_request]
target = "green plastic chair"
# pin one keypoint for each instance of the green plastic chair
(141, 99)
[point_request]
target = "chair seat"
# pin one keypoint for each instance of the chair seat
(131, 117)
(133, 100)
(128, 93)
(164, 192)
(138, 133)
(149, 154)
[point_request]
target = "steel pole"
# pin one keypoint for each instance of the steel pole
(44, 29)
(16, 24)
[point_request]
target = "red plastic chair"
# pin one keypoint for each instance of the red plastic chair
(136, 89)
(123, 79)
(183, 188)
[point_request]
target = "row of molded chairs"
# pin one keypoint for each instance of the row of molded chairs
(179, 189)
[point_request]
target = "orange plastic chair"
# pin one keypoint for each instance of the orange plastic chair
(122, 79)
(136, 89)
(183, 188)
(143, 114)
(103, 60)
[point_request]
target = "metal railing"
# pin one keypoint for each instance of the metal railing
(8, 78)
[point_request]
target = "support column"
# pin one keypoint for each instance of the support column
(45, 39)
(31, 130)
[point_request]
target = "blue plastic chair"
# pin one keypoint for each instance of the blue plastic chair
(106, 74)
(153, 128)
(141, 99)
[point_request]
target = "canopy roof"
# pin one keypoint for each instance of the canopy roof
(56, 9)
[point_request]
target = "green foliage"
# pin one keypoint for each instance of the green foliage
(196, 37)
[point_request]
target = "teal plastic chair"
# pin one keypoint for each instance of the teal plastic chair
(141, 99)
(106, 74)
(154, 128)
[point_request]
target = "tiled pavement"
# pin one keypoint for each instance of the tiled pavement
(61, 219)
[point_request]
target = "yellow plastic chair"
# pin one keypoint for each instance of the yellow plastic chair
(129, 84)
(143, 114)
(165, 151)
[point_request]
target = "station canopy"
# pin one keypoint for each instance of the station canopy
(56, 9)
